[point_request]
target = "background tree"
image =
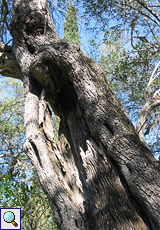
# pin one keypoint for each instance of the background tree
(97, 175)
(70, 26)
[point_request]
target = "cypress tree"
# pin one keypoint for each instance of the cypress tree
(70, 26)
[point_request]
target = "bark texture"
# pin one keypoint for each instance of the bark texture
(99, 175)
(8, 64)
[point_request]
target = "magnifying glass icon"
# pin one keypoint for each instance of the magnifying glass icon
(9, 217)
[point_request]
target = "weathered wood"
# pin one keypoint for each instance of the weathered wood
(99, 175)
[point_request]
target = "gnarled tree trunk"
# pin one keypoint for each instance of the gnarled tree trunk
(99, 175)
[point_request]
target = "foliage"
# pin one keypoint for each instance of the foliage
(35, 210)
(139, 18)
(11, 129)
(70, 26)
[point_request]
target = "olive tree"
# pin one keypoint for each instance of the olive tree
(99, 175)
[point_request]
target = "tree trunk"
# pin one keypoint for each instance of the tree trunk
(99, 175)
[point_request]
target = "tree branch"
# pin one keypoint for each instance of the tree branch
(146, 15)
(152, 78)
(149, 9)
(143, 116)
(143, 38)
(8, 65)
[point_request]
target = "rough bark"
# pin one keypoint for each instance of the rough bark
(8, 65)
(99, 175)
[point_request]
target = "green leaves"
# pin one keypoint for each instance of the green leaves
(12, 193)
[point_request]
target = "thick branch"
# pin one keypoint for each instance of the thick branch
(8, 65)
